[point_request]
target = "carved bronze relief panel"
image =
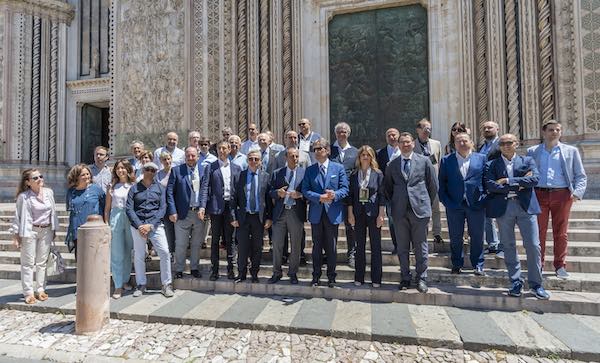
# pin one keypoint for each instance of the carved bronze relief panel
(378, 71)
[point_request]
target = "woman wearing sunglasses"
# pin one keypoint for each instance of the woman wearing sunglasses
(457, 128)
(33, 228)
(83, 199)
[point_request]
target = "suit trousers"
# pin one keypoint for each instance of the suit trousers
(364, 222)
(325, 236)
(159, 242)
(221, 227)
(491, 234)
(436, 217)
(288, 222)
(388, 212)
(34, 256)
(250, 244)
(529, 231)
(184, 228)
(558, 204)
(350, 238)
(411, 229)
(170, 233)
(456, 227)
(120, 247)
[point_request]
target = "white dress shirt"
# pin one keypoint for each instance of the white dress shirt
(463, 167)
(225, 167)
(510, 173)
(342, 150)
(393, 152)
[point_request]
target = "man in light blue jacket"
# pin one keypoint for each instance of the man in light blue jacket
(562, 181)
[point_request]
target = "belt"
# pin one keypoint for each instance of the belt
(41, 226)
(512, 198)
(251, 213)
(194, 209)
(550, 190)
(289, 206)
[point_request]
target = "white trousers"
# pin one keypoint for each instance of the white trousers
(34, 256)
(158, 238)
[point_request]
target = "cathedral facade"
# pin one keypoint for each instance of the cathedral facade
(80, 73)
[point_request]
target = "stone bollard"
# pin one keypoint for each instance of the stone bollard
(93, 276)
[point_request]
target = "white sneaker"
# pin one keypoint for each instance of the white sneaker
(376, 285)
(139, 290)
(167, 290)
(562, 273)
(357, 283)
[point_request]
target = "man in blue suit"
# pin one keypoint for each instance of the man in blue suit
(325, 185)
(462, 193)
(344, 153)
(289, 214)
(183, 206)
(510, 179)
(222, 177)
(491, 149)
(252, 206)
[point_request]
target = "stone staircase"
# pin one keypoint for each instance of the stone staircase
(579, 295)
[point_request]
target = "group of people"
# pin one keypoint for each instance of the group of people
(168, 199)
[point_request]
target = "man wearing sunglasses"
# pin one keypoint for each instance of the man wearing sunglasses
(252, 215)
(204, 155)
(325, 185)
(510, 180)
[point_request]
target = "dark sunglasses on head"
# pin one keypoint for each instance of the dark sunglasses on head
(506, 143)
(35, 178)
(151, 170)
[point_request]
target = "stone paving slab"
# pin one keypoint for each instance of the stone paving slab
(554, 335)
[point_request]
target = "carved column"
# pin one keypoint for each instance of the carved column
(528, 67)
(546, 59)
(512, 71)
(264, 66)
(53, 92)
(467, 77)
(288, 118)
(276, 71)
(253, 49)
(242, 76)
(481, 61)
(496, 63)
(35, 90)
(297, 74)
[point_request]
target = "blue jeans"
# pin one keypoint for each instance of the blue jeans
(529, 231)
(456, 226)
(120, 247)
(491, 235)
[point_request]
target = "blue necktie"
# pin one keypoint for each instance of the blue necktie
(252, 193)
(406, 167)
(323, 173)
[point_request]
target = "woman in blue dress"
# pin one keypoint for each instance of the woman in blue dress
(83, 199)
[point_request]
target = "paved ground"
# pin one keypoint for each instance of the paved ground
(50, 337)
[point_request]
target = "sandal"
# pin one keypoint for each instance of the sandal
(41, 296)
(30, 300)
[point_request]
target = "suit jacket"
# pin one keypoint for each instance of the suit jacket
(453, 187)
(349, 161)
(271, 164)
(519, 183)
(418, 191)
(494, 151)
(281, 159)
(312, 189)
(179, 190)
(435, 149)
(211, 197)
(279, 181)
(571, 165)
(376, 194)
(264, 200)
(382, 158)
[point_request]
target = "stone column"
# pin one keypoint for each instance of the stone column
(253, 49)
(496, 50)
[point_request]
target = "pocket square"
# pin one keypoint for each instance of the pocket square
(333, 176)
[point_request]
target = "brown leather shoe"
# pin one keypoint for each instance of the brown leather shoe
(41, 296)
(30, 300)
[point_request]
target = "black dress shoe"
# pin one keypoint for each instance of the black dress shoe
(491, 250)
(255, 279)
(230, 275)
(314, 282)
(331, 283)
(422, 286)
(274, 279)
(178, 275)
(479, 271)
(438, 239)
(240, 279)
(213, 277)
(293, 280)
(455, 270)
(196, 274)
(404, 285)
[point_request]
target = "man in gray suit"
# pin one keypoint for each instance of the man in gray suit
(410, 185)
(291, 140)
(431, 148)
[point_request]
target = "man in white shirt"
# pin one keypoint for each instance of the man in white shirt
(235, 155)
(177, 155)
(252, 142)
(204, 155)
(384, 156)
(101, 174)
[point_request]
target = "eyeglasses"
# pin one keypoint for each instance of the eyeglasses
(318, 148)
(254, 159)
(302, 124)
(506, 143)
(35, 178)
(203, 144)
(150, 170)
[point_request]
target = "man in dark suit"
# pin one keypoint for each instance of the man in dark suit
(252, 206)
(384, 156)
(463, 195)
(491, 150)
(291, 140)
(183, 206)
(510, 180)
(344, 153)
(267, 154)
(289, 214)
(222, 177)
(410, 186)
(325, 185)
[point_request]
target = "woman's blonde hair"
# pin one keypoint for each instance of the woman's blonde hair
(25, 176)
(146, 153)
(75, 172)
(369, 150)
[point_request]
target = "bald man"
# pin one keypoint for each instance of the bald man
(177, 155)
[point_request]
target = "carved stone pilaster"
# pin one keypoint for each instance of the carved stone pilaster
(53, 92)
(467, 66)
(546, 59)
(590, 54)
(3, 81)
(288, 49)
(242, 67)
(297, 74)
(35, 88)
(512, 70)
(264, 65)
(496, 57)
(276, 71)
(55, 10)
(481, 60)
(253, 20)
(529, 68)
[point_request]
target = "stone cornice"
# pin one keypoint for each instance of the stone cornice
(55, 10)
(81, 84)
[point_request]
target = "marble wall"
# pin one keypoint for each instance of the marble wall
(2, 83)
(149, 71)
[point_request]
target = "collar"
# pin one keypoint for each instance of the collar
(506, 161)
(325, 164)
(191, 167)
(460, 157)
(348, 146)
(409, 157)
(392, 149)
(290, 170)
(423, 142)
(223, 163)
(301, 135)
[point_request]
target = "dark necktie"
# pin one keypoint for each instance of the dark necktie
(406, 167)
(322, 168)
(252, 193)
